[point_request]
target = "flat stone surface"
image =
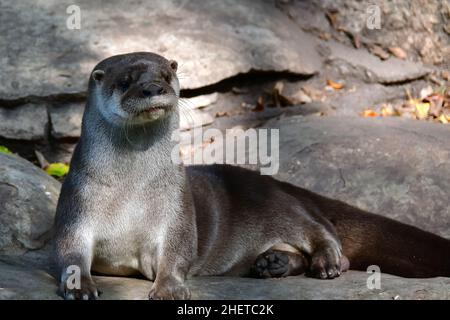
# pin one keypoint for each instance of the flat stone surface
(17, 282)
(66, 120)
(352, 100)
(389, 71)
(24, 122)
(211, 40)
(391, 166)
(191, 118)
(200, 101)
(28, 198)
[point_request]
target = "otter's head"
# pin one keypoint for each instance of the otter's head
(135, 88)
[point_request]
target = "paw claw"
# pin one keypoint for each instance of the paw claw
(69, 296)
(88, 291)
(175, 291)
(325, 264)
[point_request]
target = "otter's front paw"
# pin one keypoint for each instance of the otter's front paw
(271, 264)
(327, 264)
(169, 290)
(87, 291)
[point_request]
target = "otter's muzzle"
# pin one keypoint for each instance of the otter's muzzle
(153, 90)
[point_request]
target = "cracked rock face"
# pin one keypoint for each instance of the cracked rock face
(24, 122)
(390, 71)
(428, 20)
(66, 120)
(212, 40)
(28, 198)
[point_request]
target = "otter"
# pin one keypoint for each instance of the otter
(126, 209)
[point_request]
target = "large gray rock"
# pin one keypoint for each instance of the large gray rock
(28, 198)
(66, 120)
(212, 40)
(391, 166)
(420, 29)
(390, 71)
(24, 122)
(17, 282)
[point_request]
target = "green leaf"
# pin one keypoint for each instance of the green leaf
(4, 149)
(57, 169)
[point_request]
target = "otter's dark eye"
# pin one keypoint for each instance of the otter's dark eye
(124, 83)
(167, 77)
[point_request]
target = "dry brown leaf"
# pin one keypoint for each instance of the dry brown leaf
(332, 16)
(445, 75)
(435, 79)
(259, 105)
(335, 85)
(301, 97)
(222, 114)
(41, 159)
(278, 88)
(325, 36)
(369, 113)
(356, 39)
(379, 52)
(398, 52)
(314, 94)
(389, 111)
(436, 104)
(285, 101)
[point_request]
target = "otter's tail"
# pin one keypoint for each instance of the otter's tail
(397, 248)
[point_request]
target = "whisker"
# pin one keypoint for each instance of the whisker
(126, 132)
(145, 131)
(187, 110)
(181, 74)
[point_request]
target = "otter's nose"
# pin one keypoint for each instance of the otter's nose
(153, 90)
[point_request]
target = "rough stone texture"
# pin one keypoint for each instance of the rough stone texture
(201, 101)
(24, 122)
(66, 120)
(192, 118)
(389, 71)
(225, 37)
(354, 99)
(17, 282)
(28, 198)
(420, 28)
(394, 167)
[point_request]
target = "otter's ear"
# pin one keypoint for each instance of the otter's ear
(98, 75)
(174, 65)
